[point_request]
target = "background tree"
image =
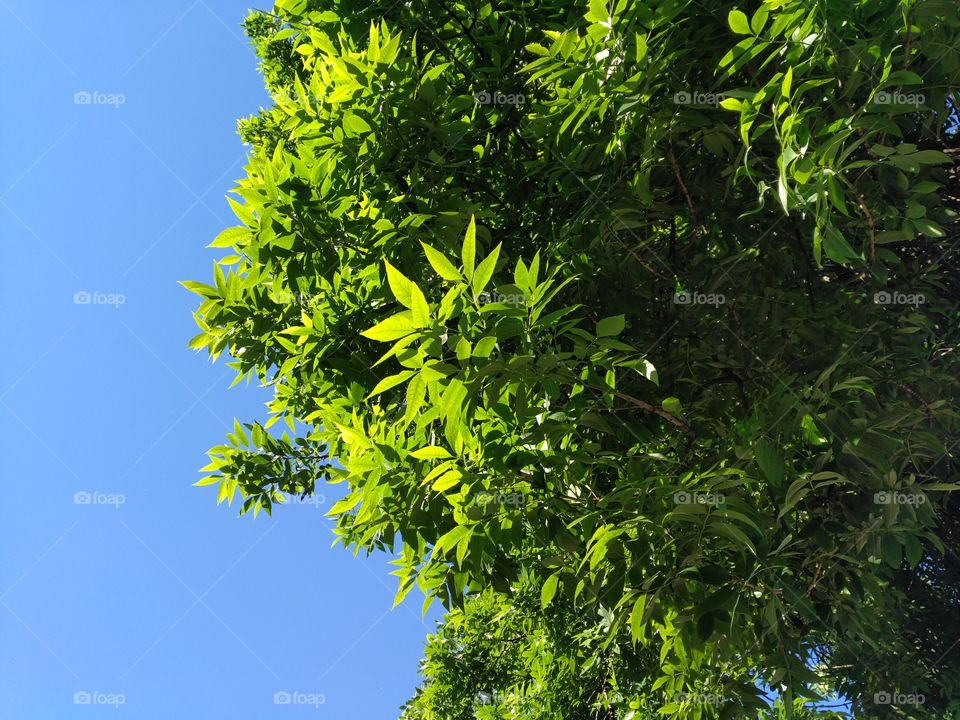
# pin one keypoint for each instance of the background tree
(677, 279)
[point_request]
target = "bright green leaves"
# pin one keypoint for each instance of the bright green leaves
(400, 285)
(391, 381)
(401, 324)
(525, 409)
(638, 618)
(231, 237)
(759, 19)
(460, 535)
(431, 452)
(441, 264)
(738, 22)
(468, 251)
(409, 295)
(392, 328)
(484, 271)
(354, 125)
(786, 85)
(549, 589)
(673, 406)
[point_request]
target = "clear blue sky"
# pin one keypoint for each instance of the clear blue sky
(165, 602)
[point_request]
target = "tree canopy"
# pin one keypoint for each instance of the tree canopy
(630, 328)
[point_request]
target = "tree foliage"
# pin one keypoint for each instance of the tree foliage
(632, 328)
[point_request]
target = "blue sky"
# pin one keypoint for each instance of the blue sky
(125, 591)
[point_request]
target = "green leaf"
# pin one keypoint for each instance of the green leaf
(463, 349)
(549, 589)
(451, 539)
(485, 271)
(641, 45)
(439, 262)
(946, 487)
(914, 550)
(636, 618)
(419, 308)
(393, 328)
(447, 480)
(469, 251)
(416, 390)
(733, 533)
(795, 493)
(673, 406)
(770, 461)
(230, 237)
(399, 285)
(392, 381)
(759, 20)
(928, 227)
(738, 22)
(431, 452)
(932, 157)
(484, 346)
(200, 289)
(890, 550)
(597, 12)
(354, 124)
(786, 84)
(610, 326)
(837, 248)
